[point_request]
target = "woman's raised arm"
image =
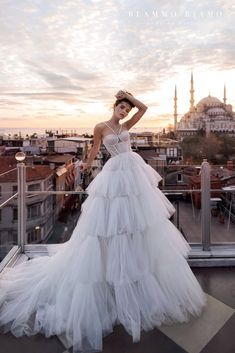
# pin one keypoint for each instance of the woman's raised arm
(138, 104)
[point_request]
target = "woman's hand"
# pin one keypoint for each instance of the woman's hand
(84, 166)
(120, 95)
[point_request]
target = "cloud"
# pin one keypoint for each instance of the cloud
(67, 55)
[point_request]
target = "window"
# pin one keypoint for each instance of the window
(34, 211)
(15, 214)
(14, 236)
(48, 183)
(47, 205)
(34, 187)
(34, 235)
(179, 177)
(14, 189)
(171, 152)
(48, 226)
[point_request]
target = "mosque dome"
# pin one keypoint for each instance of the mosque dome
(209, 102)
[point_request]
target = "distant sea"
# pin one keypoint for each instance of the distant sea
(80, 131)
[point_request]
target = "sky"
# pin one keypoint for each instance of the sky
(62, 61)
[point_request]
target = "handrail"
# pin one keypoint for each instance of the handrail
(11, 170)
(69, 192)
(85, 192)
(10, 198)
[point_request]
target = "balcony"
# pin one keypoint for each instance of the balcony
(204, 215)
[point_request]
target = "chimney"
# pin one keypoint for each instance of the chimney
(52, 166)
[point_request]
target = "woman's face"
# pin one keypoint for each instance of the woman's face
(122, 110)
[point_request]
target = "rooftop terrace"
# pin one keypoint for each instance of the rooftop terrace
(212, 259)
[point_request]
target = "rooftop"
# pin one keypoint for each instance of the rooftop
(59, 158)
(75, 139)
(148, 154)
(8, 163)
(213, 332)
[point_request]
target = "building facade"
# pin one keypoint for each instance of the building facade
(39, 206)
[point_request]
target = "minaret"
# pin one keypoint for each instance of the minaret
(225, 98)
(191, 94)
(175, 110)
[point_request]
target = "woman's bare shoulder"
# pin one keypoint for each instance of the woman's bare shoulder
(100, 126)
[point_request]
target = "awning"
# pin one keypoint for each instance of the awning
(61, 171)
(69, 179)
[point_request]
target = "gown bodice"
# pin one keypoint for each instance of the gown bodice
(117, 143)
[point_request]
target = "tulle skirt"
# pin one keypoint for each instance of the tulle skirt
(124, 264)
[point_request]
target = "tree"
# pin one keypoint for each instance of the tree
(192, 148)
(86, 135)
(211, 147)
(171, 135)
(227, 147)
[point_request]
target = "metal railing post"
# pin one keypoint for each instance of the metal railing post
(21, 178)
(205, 205)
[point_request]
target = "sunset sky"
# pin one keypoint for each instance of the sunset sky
(62, 61)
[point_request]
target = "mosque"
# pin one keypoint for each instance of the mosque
(209, 114)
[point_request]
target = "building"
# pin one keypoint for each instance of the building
(155, 150)
(67, 177)
(29, 144)
(209, 115)
(39, 220)
(79, 146)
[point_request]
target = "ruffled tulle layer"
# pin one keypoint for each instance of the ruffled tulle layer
(125, 197)
(125, 263)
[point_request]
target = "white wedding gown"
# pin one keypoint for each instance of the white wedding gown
(125, 263)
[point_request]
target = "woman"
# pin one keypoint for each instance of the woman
(125, 262)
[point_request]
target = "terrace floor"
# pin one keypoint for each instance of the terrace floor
(213, 332)
(190, 225)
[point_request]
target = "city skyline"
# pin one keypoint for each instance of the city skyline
(62, 62)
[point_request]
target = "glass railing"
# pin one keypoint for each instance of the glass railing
(53, 218)
(187, 215)
(223, 215)
(8, 214)
(57, 223)
(180, 184)
(185, 182)
(205, 213)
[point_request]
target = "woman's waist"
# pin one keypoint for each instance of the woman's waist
(120, 152)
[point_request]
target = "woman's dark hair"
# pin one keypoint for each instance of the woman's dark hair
(118, 101)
